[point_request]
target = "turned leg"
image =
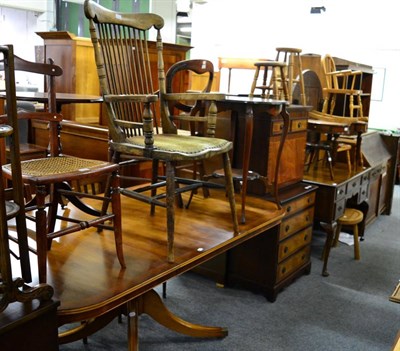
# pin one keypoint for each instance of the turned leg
(330, 229)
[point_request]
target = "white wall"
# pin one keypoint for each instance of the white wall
(18, 27)
(356, 30)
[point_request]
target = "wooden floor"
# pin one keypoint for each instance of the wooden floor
(88, 280)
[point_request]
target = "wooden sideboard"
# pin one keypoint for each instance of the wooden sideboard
(76, 58)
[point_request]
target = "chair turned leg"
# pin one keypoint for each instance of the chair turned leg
(329, 158)
(170, 200)
(356, 243)
(348, 158)
(230, 191)
(255, 78)
(41, 233)
(117, 222)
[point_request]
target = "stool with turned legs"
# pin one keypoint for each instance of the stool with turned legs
(273, 84)
(292, 58)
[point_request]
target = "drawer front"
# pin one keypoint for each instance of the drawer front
(365, 178)
(363, 194)
(299, 204)
(299, 221)
(340, 192)
(277, 127)
(353, 187)
(293, 263)
(339, 208)
(294, 243)
(375, 173)
(298, 125)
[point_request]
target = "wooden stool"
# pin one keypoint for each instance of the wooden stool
(351, 217)
(291, 56)
(273, 85)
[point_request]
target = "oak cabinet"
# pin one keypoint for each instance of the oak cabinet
(76, 57)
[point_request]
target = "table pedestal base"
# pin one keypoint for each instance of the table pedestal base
(151, 304)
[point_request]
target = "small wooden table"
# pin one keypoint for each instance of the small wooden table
(339, 128)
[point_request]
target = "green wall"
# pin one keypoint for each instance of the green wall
(70, 16)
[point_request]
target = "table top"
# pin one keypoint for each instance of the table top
(255, 100)
(328, 127)
(85, 273)
(321, 176)
(63, 98)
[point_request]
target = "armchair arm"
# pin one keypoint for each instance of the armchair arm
(110, 98)
(210, 118)
(194, 96)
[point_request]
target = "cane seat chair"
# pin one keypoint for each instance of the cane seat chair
(51, 177)
(131, 94)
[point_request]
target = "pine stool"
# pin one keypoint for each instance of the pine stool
(273, 85)
(292, 58)
(351, 217)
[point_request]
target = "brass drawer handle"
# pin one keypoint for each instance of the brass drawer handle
(303, 257)
(289, 208)
(283, 270)
(305, 237)
(307, 218)
(299, 125)
(287, 228)
(286, 249)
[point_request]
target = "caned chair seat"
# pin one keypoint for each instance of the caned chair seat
(48, 169)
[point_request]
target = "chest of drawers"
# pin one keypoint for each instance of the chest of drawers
(274, 259)
(293, 246)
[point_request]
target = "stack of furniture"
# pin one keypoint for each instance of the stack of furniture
(289, 250)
